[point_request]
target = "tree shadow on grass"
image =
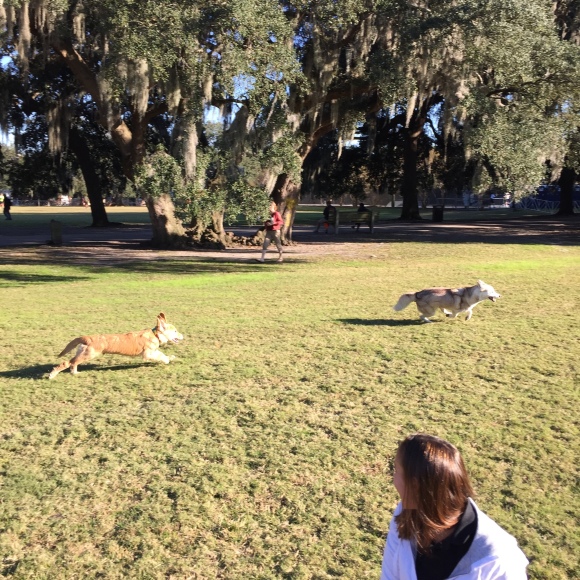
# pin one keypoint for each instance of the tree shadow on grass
(380, 322)
(91, 262)
(225, 265)
(9, 278)
(41, 371)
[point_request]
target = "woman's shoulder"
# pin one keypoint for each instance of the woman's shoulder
(393, 525)
(491, 533)
(494, 547)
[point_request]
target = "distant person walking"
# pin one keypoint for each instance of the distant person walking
(273, 227)
(7, 206)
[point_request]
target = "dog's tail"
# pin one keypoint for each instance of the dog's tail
(404, 301)
(72, 344)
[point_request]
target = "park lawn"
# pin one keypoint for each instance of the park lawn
(311, 214)
(74, 216)
(265, 450)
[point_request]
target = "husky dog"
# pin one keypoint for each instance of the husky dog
(452, 301)
(144, 343)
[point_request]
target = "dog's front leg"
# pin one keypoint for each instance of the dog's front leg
(61, 367)
(157, 355)
(469, 313)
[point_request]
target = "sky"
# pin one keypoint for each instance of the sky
(6, 138)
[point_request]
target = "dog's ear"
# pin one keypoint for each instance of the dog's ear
(481, 283)
(161, 319)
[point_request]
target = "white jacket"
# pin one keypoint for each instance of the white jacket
(493, 554)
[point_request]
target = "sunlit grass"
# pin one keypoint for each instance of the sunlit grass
(264, 450)
(32, 216)
(310, 214)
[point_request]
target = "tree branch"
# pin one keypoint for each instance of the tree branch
(80, 69)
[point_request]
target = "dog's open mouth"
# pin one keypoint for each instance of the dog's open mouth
(492, 298)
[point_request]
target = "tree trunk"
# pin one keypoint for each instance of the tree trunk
(167, 229)
(409, 190)
(211, 235)
(286, 194)
(92, 180)
(409, 185)
(218, 231)
(566, 183)
(138, 142)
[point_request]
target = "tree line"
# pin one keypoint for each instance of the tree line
(485, 92)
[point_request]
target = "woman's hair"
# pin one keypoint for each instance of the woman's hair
(436, 485)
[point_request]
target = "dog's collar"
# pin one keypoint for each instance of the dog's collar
(156, 332)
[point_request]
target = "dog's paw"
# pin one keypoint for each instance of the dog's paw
(170, 358)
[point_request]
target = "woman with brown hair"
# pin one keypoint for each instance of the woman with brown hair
(437, 532)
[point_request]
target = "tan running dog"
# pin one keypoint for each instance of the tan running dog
(452, 301)
(144, 343)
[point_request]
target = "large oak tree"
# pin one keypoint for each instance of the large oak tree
(139, 60)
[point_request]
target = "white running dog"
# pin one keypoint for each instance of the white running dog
(452, 301)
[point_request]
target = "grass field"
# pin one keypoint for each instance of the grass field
(32, 216)
(265, 450)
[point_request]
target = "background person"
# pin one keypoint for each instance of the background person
(273, 227)
(7, 206)
(437, 530)
(361, 208)
(328, 216)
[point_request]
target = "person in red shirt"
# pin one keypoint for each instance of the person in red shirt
(273, 227)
